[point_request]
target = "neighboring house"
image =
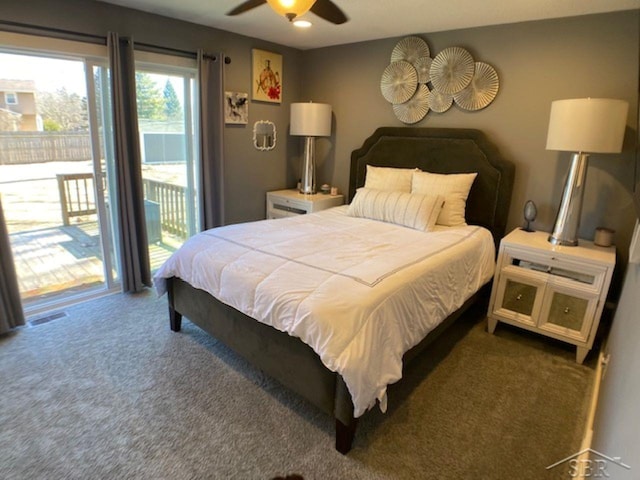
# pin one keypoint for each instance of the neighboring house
(9, 121)
(18, 105)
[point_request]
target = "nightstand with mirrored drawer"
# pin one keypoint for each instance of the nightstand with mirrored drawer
(288, 203)
(557, 291)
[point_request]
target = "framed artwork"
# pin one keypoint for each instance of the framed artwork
(267, 76)
(236, 108)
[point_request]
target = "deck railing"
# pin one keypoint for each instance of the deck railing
(172, 200)
(77, 199)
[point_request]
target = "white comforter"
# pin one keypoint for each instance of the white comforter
(359, 292)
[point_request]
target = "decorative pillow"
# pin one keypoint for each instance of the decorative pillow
(454, 188)
(389, 179)
(410, 210)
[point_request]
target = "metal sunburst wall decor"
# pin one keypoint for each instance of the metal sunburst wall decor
(415, 83)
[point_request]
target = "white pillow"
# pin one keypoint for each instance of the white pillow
(410, 210)
(454, 188)
(390, 179)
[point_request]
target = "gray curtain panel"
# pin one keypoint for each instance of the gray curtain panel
(11, 314)
(211, 79)
(134, 255)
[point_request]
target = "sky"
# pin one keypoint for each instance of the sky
(51, 74)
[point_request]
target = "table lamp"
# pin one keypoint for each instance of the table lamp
(582, 126)
(310, 120)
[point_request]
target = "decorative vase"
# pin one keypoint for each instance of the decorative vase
(530, 213)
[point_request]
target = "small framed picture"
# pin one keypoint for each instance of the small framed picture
(267, 76)
(236, 108)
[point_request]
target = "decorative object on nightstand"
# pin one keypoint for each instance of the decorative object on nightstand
(582, 125)
(310, 120)
(554, 290)
(603, 237)
(530, 214)
(289, 203)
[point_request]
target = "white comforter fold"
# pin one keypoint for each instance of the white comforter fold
(359, 292)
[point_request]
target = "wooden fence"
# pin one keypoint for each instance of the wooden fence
(37, 147)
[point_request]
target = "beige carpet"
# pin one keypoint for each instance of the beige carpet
(111, 393)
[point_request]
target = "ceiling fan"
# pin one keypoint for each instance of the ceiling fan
(294, 8)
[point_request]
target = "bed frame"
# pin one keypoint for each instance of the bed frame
(288, 359)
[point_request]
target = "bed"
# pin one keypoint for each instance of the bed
(281, 353)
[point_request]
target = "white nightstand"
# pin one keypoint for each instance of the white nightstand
(287, 203)
(553, 290)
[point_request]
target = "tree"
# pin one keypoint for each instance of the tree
(50, 125)
(62, 110)
(149, 98)
(172, 107)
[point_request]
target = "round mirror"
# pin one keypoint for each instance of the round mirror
(264, 135)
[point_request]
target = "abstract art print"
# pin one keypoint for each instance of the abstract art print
(236, 108)
(267, 76)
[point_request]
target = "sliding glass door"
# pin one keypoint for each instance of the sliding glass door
(55, 174)
(165, 93)
(58, 171)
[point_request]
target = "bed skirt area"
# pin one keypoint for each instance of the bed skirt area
(281, 356)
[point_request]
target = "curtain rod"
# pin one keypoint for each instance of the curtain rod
(16, 27)
(148, 47)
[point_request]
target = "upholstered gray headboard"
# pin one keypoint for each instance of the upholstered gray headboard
(444, 150)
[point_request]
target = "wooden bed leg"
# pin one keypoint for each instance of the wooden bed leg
(175, 319)
(344, 435)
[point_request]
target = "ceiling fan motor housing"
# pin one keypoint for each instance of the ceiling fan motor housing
(291, 8)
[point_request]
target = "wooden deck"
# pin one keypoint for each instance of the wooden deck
(67, 258)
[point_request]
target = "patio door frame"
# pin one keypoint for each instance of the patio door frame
(90, 55)
(101, 179)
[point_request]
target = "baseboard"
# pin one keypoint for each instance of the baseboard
(593, 405)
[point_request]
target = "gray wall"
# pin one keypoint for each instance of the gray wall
(249, 173)
(537, 62)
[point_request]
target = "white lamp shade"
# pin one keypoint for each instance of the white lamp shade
(291, 7)
(589, 125)
(311, 119)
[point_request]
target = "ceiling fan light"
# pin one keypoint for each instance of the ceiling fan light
(302, 23)
(291, 8)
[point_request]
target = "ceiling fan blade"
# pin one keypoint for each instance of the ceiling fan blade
(329, 11)
(245, 7)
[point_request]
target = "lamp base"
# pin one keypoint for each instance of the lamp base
(308, 178)
(565, 229)
(559, 241)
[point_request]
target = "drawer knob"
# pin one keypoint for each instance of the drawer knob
(567, 310)
(519, 297)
